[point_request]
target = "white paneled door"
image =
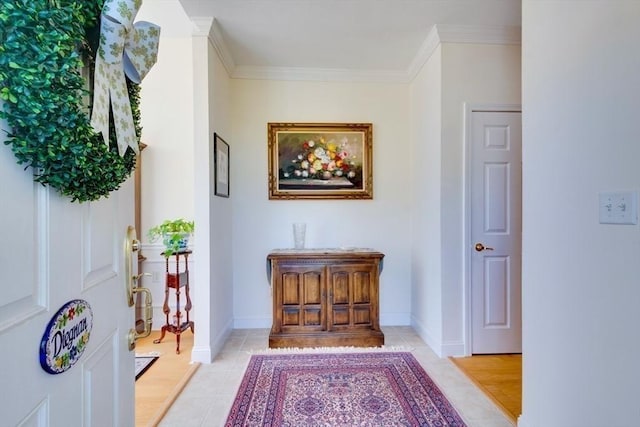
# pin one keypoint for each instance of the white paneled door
(53, 252)
(495, 248)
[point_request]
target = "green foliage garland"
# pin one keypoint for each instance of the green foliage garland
(44, 45)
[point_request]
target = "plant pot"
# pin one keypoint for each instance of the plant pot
(175, 242)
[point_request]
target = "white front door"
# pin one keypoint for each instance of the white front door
(53, 251)
(495, 183)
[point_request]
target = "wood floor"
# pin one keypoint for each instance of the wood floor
(499, 376)
(159, 386)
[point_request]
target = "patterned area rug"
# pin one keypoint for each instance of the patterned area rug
(339, 389)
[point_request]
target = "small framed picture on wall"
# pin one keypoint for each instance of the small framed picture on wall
(221, 166)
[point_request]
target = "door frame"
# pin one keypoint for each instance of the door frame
(469, 109)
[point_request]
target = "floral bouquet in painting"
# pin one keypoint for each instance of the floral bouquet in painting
(322, 159)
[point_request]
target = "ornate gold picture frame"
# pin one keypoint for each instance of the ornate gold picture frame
(320, 161)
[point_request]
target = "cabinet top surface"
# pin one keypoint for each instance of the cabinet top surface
(324, 252)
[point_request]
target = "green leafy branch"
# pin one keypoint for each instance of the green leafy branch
(44, 47)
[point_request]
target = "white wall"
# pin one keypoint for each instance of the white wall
(426, 152)
(455, 74)
(473, 74)
(214, 213)
(260, 225)
(581, 297)
(166, 105)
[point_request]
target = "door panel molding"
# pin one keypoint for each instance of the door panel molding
(28, 294)
(100, 382)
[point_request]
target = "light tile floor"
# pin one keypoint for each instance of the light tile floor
(207, 398)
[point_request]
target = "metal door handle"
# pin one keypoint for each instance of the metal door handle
(148, 312)
(480, 247)
(131, 245)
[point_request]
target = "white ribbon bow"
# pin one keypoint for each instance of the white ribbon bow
(125, 48)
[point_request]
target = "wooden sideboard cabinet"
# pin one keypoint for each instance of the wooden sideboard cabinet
(325, 297)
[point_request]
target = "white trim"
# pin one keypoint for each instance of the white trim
(218, 342)
(318, 74)
(437, 35)
(202, 26)
(452, 349)
(468, 109)
(206, 26)
(427, 49)
(30, 306)
(217, 40)
(201, 354)
(43, 243)
(205, 354)
(426, 336)
(479, 34)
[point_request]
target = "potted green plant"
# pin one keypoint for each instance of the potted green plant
(174, 234)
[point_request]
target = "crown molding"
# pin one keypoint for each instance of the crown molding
(479, 34)
(460, 34)
(217, 40)
(437, 35)
(318, 74)
(201, 25)
(428, 47)
(207, 26)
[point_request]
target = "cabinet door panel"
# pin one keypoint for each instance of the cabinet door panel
(340, 316)
(290, 289)
(361, 287)
(340, 287)
(362, 315)
(312, 287)
(312, 317)
(290, 316)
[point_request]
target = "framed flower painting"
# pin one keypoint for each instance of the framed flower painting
(320, 160)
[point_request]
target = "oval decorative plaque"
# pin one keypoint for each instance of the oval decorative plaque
(66, 336)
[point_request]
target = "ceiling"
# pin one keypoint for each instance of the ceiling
(365, 37)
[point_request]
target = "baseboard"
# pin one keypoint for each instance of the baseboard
(425, 335)
(452, 349)
(206, 354)
(442, 349)
(201, 354)
(221, 339)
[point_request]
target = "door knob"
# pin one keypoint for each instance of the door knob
(480, 247)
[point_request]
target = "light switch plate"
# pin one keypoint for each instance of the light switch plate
(618, 207)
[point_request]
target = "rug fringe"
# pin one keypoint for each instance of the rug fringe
(295, 350)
